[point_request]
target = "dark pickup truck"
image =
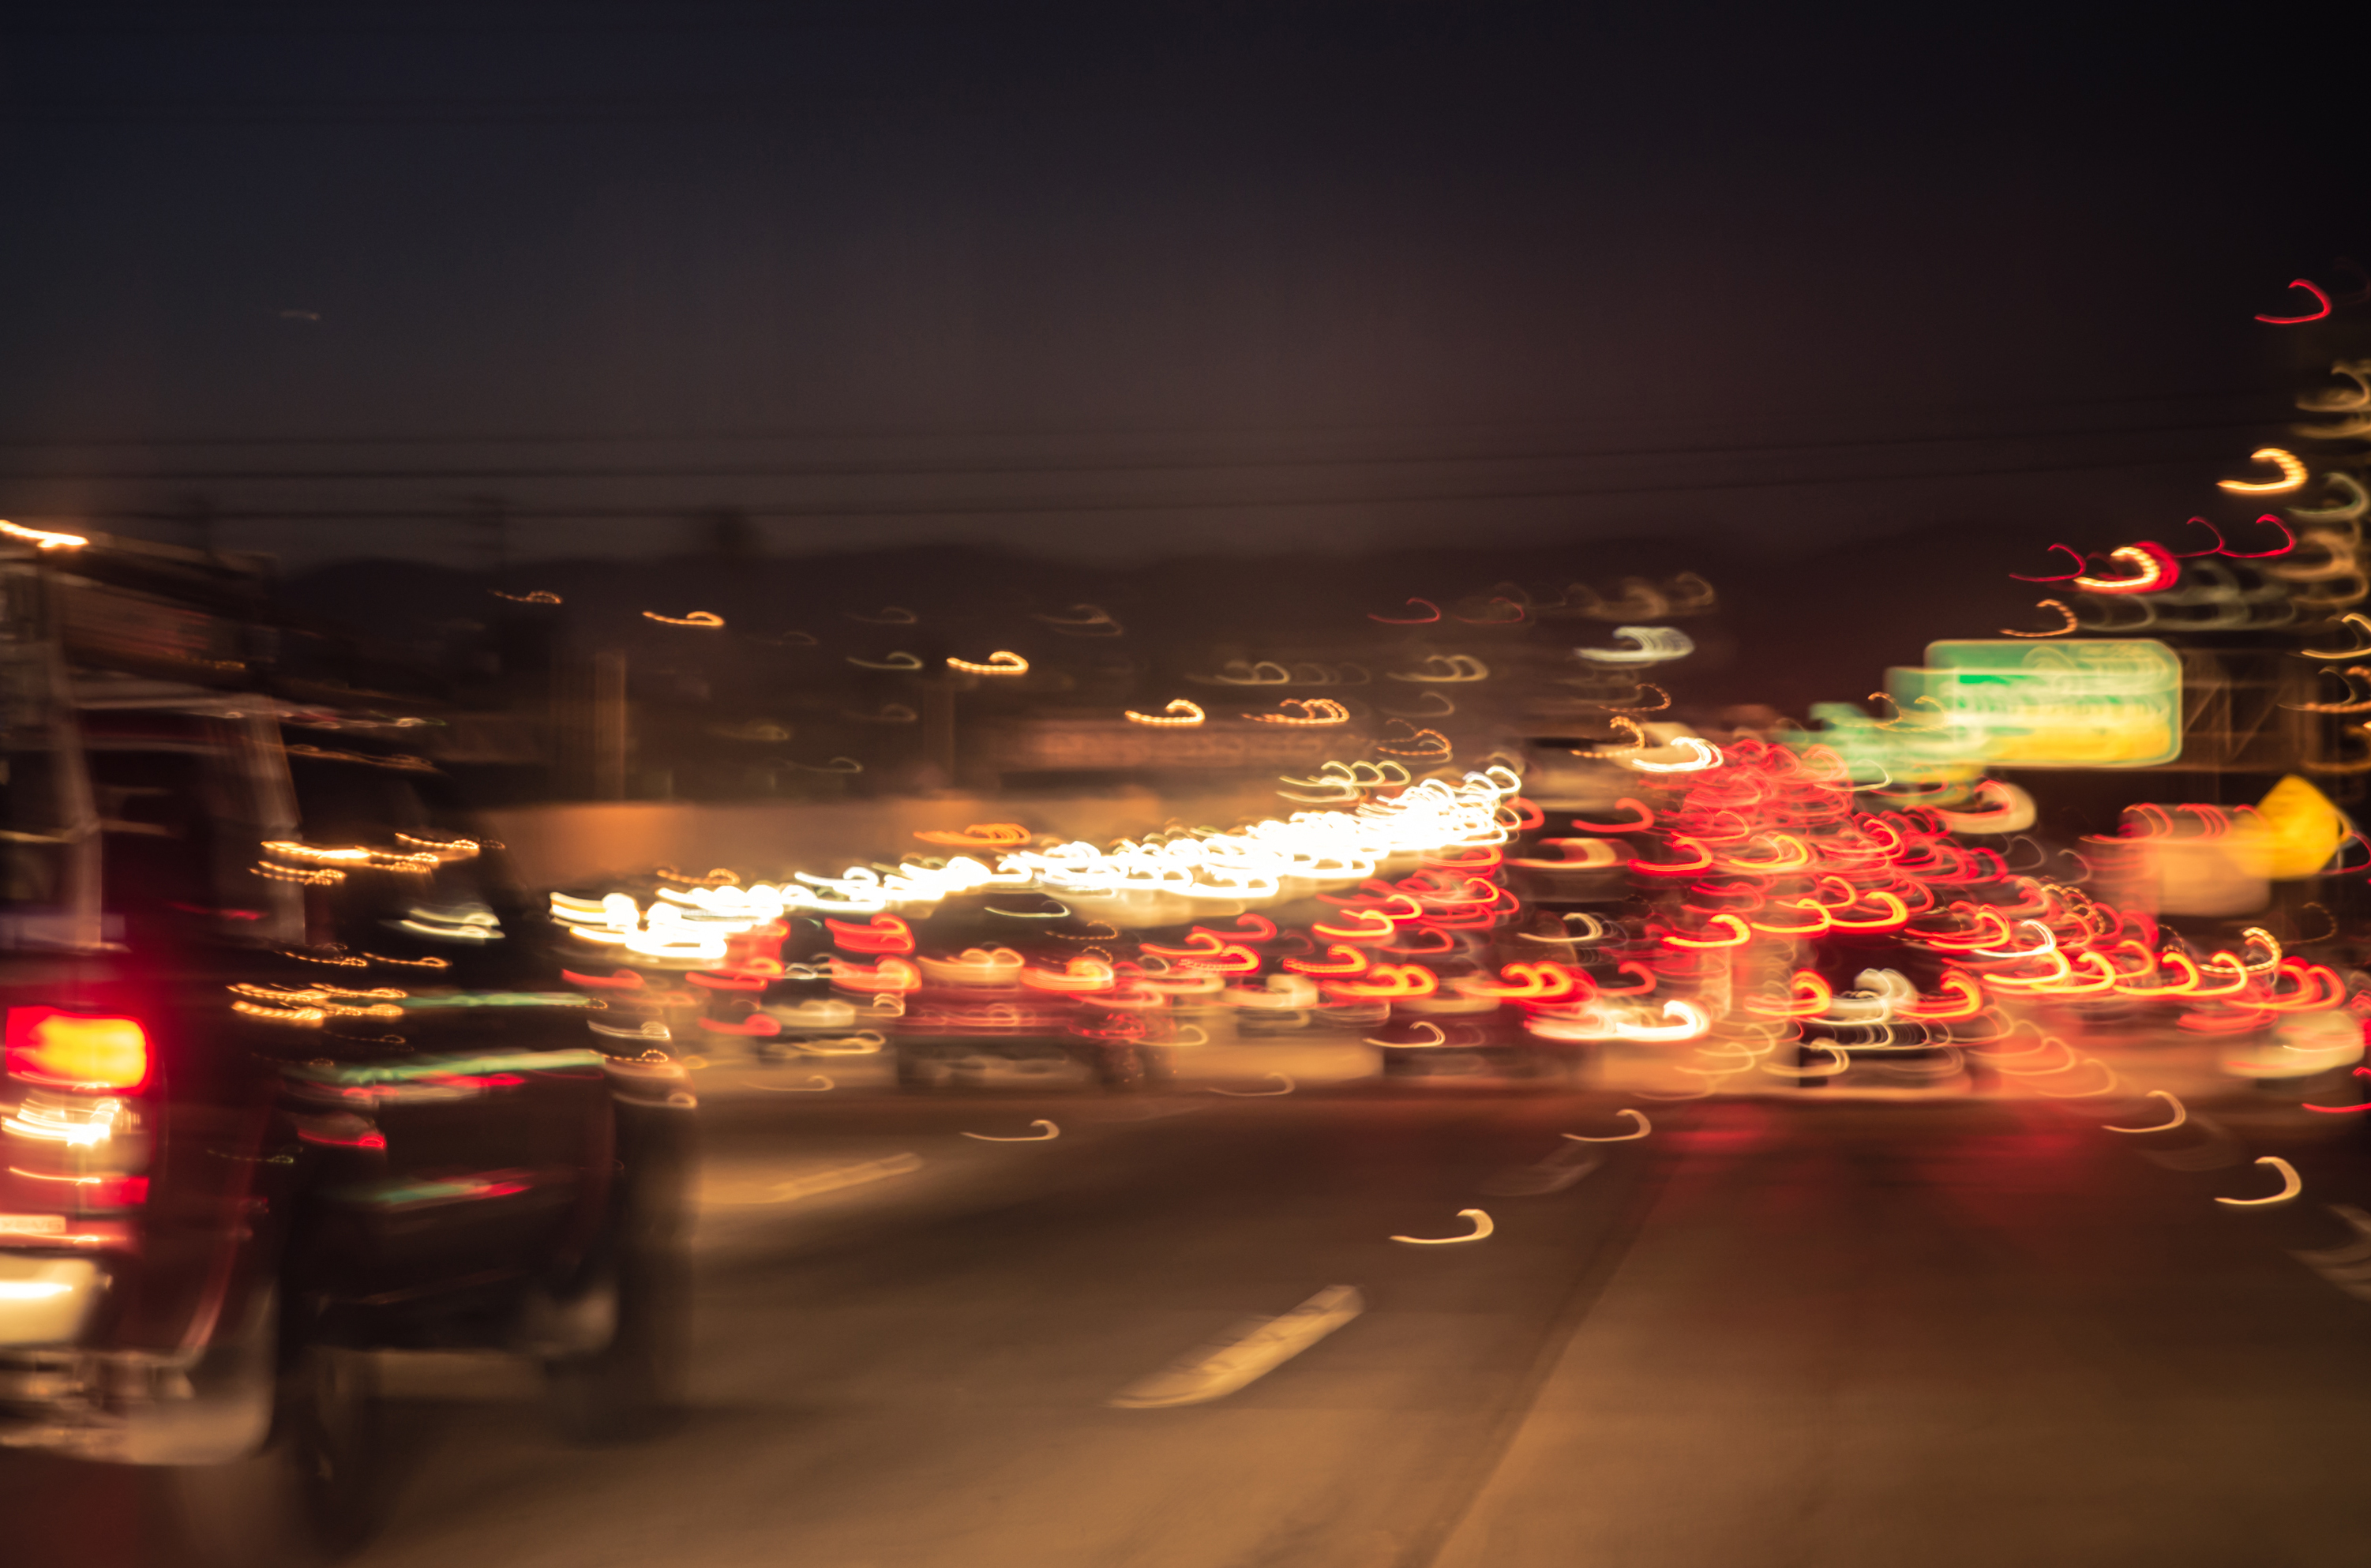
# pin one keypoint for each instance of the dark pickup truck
(281, 1090)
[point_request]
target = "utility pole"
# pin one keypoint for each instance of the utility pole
(486, 521)
(939, 726)
(728, 532)
(609, 725)
(195, 513)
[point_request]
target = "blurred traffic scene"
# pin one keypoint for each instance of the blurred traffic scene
(966, 1078)
(1184, 785)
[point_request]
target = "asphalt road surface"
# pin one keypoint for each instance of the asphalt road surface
(1768, 1332)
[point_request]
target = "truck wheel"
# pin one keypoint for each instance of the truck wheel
(311, 1494)
(1124, 1069)
(629, 1387)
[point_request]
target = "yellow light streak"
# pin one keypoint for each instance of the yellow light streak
(1644, 1127)
(1482, 1228)
(1179, 715)
(41, 538)
(1314, 710)
(325, 876)
(1051, 1132)
(2292, 474)
(359, 857)
(2291, 1185)
(998, 663)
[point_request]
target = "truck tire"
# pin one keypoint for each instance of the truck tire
(311, 1494)
(630, 1386)
(1124, 1069)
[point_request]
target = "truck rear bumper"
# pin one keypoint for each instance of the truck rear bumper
(129, 1406)
(47, 1299)
(84, 1403)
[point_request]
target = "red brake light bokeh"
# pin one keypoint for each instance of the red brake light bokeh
(76, 1050)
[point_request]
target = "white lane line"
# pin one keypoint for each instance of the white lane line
(842, 1176)
(1051, 1132)
(1250, 1350)
(1258, 1094)
(1482, 1227)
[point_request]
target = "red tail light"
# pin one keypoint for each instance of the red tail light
(76, 1050)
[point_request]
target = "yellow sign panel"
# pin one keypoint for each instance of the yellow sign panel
(2303, 829)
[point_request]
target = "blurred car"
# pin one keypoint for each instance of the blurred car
(277, 1092)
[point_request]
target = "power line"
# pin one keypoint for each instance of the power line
(1024, 507)
(897, 468)
(2282, 389)
(476, 16)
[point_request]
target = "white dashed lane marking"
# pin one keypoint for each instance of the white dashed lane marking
(743, 1194)
(1248, 1350)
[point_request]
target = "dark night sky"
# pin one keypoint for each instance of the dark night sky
(1128, 280)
